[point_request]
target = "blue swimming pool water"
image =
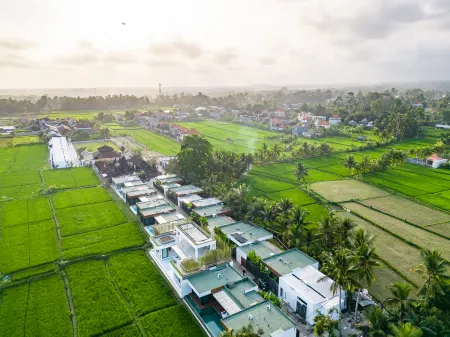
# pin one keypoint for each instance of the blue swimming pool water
(212, 321)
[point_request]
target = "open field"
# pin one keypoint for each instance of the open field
(344, 190)
(153, 141)
(391, 249)
(172, 321)
(27, 245)
(102, 241)
(413, 234)
(98, 306)
(35, 309)
(140, 282)
(78, 114)
(90, 195)
(297, 196)
(405, 209)
(70, 177)
(87, 218)
(24, 211)
(385, 277)
(93, 146)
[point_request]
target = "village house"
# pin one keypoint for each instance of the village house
(435, 161)
(106, 152)
(180, 132)
(335, 119)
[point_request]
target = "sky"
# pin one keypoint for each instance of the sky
(134, 43)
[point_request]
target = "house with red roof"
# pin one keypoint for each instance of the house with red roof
(335, 119)
(179, 132)
(435, 161)
(323, 124)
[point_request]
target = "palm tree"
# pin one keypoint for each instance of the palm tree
(336, 266)
(364, 262)
(285, 206)
(406, 330)
(346, 226)
(222, 191)
(276, 150)
(365, 163)
(378, 322)
(400, 297)
(301, 172)
(294, 235)
(209, 184)
(264, 149)
(327, 231)
(350, 163)
(361, 237)
(434, 269)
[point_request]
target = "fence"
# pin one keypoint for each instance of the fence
(255, 271)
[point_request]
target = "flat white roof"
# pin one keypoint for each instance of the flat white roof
(63, 153)
(306, 282)
(196, 235)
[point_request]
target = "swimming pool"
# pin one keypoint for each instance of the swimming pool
(212, 321)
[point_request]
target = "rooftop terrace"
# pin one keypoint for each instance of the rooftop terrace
(243, 293)
(190, 198)
(212, 210)
(272, 322)
(206, 202)
(243, 232)
(124, 179)
(285, 262)
(210, 279)
(186, 189)
(219, 221)
(166, 208)
(262, 249)
(168, 218)
(197, 235)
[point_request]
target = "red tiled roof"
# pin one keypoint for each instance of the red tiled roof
(434, 157)
(324, 123)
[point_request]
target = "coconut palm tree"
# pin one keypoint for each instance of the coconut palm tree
(264, 150)
(435, 271)
(285, 205)
(327, 231)
(294, 235)
(400, 297)
(350, 163)
(337, 266)
(360, 237)
(378, 322)
(364, 262)
(301, 172)
(346, 226)
(406, 330)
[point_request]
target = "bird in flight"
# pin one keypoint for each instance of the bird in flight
(124, 23)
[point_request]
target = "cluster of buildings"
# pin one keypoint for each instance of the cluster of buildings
(60, 127)
(222, 291)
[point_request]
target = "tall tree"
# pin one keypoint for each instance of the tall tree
(350, 163)
(406, 330)
(364, 262)
(400, 297)
(435, 272)
(378, 322)
(301, 172)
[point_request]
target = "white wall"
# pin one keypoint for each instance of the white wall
(290, 295)
(240, 253)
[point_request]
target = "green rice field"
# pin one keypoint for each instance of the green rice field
(76, 222)
(151, 140)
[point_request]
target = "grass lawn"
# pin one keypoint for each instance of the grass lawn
(408, 210)
(140, 282)
(413, 234)
(344, 190)
(102, 241)
(87, 218)
(64, 199)
(98, 306)
(34, 309)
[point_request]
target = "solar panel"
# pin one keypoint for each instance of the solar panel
(239, 238)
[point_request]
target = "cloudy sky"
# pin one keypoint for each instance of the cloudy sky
(83, 43)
